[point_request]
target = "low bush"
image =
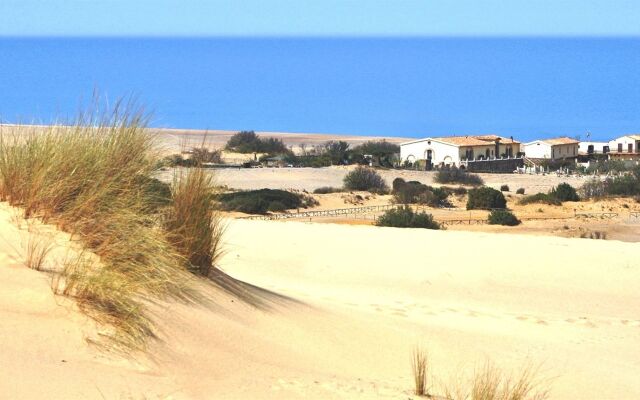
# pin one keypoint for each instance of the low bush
(327, 189)
(458, 191)
(520, 191)
(503, 217)
(456, 175)
(263, 200)
(249, 142)
(504, 188)
(414, 192)
(541, 198)
(485, 198)
(405, 217)
(564, 192)
(363, 178)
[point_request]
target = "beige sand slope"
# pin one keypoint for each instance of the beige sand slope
(340, 310)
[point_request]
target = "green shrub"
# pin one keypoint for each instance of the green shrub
(414, 192)
(458, 191)
(327, 189)
(485, 198)
(456, 175)
(503, 217)
(249, 142)
(542, 198)
(520, 191)
(363, 178)
(405, 217)
(504, 188)
(626, 185)
(263, 200)
(564, 192)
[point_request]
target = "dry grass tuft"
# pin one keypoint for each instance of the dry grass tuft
(419, 366)
(489, 383)
(38, 248)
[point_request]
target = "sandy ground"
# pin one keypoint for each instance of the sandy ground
(313, 178)
(333, 311)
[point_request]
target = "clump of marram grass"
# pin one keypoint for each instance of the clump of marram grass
(419, 367)
(489, 383)
(192, 224)
(92, 179)
(37, 249)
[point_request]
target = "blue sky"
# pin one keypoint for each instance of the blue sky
(320, 18)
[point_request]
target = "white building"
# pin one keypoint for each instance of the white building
(587, 148)
(452, 150)
(625, 147)
(554, 149)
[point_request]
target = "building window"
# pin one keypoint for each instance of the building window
(619, 147)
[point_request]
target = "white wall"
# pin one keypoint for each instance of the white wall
(598, 147)
(414, 151)
(625, 141)
(540, 149)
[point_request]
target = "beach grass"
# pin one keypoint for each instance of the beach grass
(93, 179)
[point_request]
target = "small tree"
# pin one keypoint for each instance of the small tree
(363, 178)
(485, 198)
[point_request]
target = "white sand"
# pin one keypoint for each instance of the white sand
(312, 178)
(358, 299)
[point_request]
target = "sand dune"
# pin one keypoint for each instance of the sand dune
(333, 311)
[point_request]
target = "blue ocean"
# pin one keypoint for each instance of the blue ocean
(411, 87)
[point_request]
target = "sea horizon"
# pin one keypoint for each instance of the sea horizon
(529, 87)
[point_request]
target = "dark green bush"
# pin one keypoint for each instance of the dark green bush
(363, 178)
(626, 185)
(249, 142)
(504, 188)
(541, 198)
(456, 175)
(520, 191)
(485, 198)
(414, 192)
(405, 217)
(564, 192)
(263, 200)
(503, 217)
(458, 191)
(327, 189)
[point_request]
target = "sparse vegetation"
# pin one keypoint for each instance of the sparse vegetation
(367, 179)
(504, 188)
(489, 383)
(405, 217)
(263, 200)
(503, 217)
(456, 175)
(541, 198)
(327, 189)
(38, 247)
(419, 367)
(520, 191)
(485, 198)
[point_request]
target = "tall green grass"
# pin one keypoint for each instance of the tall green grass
(93, 179)
(192, 224)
